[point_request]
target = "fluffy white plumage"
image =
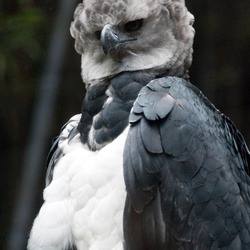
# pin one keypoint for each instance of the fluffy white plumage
(87, 188)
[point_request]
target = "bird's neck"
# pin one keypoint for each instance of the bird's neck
(107, 105)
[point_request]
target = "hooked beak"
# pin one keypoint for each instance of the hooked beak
(111, 37)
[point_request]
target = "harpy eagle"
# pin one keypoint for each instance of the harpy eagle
(150, 163)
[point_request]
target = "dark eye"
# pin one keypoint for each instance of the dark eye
(133, 25)
(98, 34)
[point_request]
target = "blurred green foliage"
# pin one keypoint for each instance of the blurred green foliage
(21, 57)
(19, 31)
(21, 51)
(23, 33)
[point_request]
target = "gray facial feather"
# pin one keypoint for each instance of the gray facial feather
(164, 43)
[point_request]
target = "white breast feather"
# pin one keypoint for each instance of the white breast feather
(84, 202)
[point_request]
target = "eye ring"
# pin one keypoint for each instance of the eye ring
(133, 25)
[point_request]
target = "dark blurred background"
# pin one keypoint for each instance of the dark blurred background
(221, 69)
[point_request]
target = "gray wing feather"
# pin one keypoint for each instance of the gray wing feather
(183, 149)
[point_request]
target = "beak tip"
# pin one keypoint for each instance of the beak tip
(107, 38)
(105, 51)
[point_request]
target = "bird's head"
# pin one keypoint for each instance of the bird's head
(113, 36)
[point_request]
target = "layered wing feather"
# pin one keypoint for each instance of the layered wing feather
(188, 162)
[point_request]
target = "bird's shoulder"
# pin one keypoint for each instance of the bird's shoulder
(183, 117)
(172, 116)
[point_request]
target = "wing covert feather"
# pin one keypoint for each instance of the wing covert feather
(181, 147)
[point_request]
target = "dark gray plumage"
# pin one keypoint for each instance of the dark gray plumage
(190, 164)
